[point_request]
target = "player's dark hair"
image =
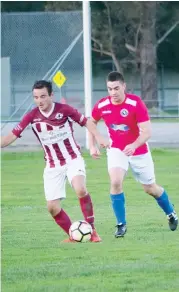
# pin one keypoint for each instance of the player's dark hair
(115, 76)
(43, 83)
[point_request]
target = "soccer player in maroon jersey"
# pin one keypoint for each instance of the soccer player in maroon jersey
(129, 128)
(52, 124)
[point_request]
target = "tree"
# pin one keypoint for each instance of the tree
(147, 50)
(19, 6)
(167, 30)
(63, 5)
(109, 32)
(147, 53)
(127, 32)
(135, 35)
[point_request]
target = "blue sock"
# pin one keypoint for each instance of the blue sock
(118, 204)
(165, 204)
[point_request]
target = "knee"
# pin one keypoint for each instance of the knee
(150, 189)
(53, 208)
(153, 190)
(116, 186)
(81, 191)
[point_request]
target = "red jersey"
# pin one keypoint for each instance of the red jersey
(122, 120)
(54, 131)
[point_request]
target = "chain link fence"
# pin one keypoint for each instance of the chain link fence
(35, 46)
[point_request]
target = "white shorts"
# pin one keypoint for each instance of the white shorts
(55, 178)
(142, 166)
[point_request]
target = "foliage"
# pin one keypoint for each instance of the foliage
(20, 6)
(125, 18)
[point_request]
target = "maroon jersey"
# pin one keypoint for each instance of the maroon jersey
(122, 120)
(54, 131)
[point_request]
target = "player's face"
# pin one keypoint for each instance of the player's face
(116, 90)
(42, 99)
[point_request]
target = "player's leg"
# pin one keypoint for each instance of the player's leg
(162, 199)
(54, 186)
(143, 170)
(76, 174)
(59, 215)
(117, 168)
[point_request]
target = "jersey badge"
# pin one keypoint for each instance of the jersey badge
(124, 112)
(59, 116)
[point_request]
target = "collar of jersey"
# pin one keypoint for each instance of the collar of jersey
(119, 103)
(47, 115)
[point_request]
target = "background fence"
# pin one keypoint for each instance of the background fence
(36, 45)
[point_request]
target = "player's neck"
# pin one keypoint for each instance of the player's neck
(48, 109)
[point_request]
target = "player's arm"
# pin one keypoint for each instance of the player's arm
(145, 133)
(96, 117)
(94, 133)
(94, 151)
(144, 124)
(7, 140)
(16, 132)
(83, 121)
(91, 137)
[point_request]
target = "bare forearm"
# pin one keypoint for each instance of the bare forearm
(143, 137)
(93, 132)
(4, 142)
(7, 140)
(95, 136)
(92, 140)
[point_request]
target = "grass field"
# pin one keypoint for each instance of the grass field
(33, 259)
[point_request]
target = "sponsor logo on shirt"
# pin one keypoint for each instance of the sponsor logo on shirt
(54, 137)
(59, 116)
(106, 112)
(121, 127)
(124, 112)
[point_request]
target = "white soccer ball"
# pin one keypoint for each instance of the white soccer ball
(80, 231)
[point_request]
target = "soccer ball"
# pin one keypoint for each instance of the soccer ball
(80, 231)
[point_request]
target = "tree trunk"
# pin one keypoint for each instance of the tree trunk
(148, 67)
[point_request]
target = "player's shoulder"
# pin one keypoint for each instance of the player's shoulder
(63, 107)
(104, 101)
(133, 99)
(33, 112)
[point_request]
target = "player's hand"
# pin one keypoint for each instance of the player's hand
(95, 153)
(102, 142)
(129, 149)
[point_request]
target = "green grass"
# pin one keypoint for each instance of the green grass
(33, 259)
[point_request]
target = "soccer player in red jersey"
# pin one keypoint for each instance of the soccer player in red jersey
(52, 124)
(129, 128)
